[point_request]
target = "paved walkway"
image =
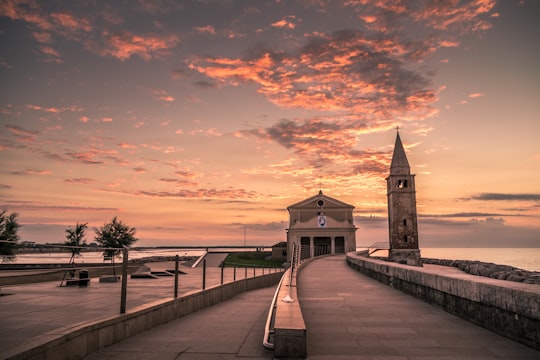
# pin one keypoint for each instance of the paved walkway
(348, 316)
(351, 316)
(31, 310)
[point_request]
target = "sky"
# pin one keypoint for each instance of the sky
(200, 122)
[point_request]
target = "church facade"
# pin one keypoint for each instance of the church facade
(321, 225)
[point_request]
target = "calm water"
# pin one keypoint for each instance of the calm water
(97, 257)
(523, 258)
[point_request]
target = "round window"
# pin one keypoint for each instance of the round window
(320, 203)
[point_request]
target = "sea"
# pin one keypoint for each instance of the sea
(521, 258)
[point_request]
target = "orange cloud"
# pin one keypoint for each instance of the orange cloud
(71, 22)
(123, 45)
(208, 29)
(286, 22)
(344, 71)
(161, 95)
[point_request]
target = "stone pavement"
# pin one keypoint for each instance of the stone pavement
(348, 316)
(229, 330)
(32, 310)
(351, 316)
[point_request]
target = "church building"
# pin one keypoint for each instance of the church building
(321, 225)
(402, 218)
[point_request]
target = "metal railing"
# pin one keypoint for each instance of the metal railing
(296, 260)
(382, 245)
(217, 276)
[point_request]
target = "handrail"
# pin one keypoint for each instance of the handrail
(267, 331)
(295, 263)
(196, 263)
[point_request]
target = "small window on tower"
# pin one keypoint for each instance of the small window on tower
(405, 238)
(404, 222)
(402, 184)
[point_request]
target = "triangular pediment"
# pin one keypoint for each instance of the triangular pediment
(315, 201)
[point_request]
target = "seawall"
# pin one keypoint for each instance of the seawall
(76, 342)
(504, 307)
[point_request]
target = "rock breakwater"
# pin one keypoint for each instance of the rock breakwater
(491, 270)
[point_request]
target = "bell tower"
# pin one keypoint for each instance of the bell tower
(402, 219)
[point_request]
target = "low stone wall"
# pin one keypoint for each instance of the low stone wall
(77, 342)
(507, 308)
(289, 326)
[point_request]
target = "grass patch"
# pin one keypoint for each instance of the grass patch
(250, 259)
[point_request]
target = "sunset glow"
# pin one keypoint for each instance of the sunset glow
(196, 122)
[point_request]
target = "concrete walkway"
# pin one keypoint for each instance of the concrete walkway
(351, 316)
(29, 311)
(348, 316)
(232, 329)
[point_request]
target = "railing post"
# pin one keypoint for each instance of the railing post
(204, 274)
(222, 267)
(245, 273)
(123, 294)
(176, 258)
(253, 271)
(234, 276)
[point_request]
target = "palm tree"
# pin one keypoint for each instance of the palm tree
(75, 237)
(9, 228)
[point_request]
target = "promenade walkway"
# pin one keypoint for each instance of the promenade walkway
(348, 316)
(351, 316)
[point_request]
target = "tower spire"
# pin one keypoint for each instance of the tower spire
(399, 165)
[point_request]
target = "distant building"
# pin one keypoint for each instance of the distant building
(279, 251)
(322, 225)
(402, 218)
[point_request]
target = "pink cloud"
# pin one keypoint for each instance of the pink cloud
(27, 11)
(22, 134)
(139, 170)
(79, 180)
(476, 95)
(122, 45)
(127, 146)
(208, 29)
(161, 95)
(31, 172)
(53, 109)
(71, 22)
(207, 132)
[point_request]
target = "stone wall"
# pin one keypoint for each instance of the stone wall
(507, 308)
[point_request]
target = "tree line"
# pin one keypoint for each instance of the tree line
(113, 236)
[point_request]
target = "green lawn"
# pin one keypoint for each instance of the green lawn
(250, 259)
